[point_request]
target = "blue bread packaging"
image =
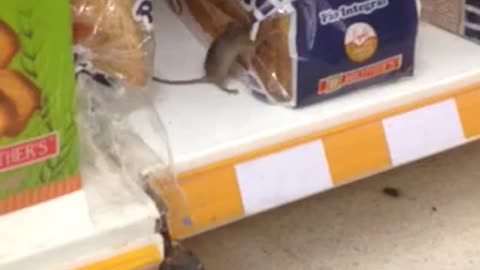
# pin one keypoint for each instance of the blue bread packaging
(312, 50)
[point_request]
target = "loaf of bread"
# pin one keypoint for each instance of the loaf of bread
(311, 50)
(272, 63)
(214, 15)
(113, 37)
(18, 93)
(8, 115)
(19, 97)
(9, 44)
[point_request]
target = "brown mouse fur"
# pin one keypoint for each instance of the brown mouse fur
(177, 257)
(233, 45)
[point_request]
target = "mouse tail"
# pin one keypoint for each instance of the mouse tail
(159, 80)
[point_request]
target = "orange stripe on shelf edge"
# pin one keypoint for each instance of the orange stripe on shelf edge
(469, 110)
(208, 214)
(148, 256)
(329, 131)
(39, 194)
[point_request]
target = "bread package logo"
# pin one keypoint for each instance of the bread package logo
(361, 42)
(348, 78)
(143, 13)
(19, 100)
(344, 12)
(19, 97)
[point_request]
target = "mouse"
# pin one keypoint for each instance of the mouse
(233, 45)
(178, 257)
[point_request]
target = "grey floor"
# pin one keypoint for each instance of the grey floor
(434, 225)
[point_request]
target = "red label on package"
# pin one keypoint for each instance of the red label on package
(28, 152)
(335, 82)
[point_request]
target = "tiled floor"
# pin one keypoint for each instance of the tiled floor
(435, 224)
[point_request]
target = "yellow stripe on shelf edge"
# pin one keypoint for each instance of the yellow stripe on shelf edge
(346, 152)
(142, 258)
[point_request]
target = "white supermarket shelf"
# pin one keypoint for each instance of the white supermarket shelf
(223, 138)
(62, 234)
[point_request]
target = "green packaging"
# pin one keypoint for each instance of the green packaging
(38, 138)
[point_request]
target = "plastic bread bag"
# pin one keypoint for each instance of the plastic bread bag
(114, 128)
(208, 19)
(310, 50)
(114, 40)
(113, 47)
